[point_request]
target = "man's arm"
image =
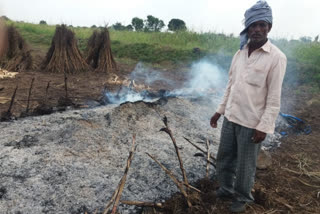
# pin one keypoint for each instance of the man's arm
(274, 84)
(222, 106)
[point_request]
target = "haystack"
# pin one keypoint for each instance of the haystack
(99, 52)
(64, 55)
(15, 53)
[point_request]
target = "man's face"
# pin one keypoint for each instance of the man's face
(258, 32)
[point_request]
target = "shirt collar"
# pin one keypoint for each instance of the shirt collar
(266, 47)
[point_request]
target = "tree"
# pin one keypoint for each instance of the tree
(137, 24)
(129, 28)
(42, 22)
(153, 24)
(118, 26)
(306, 39)
(93, 26)
(5, 18)
(177, 25)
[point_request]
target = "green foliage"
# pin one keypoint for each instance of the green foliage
(158, 47)
(118, 26)
(177, 25)
(153, 24)
(42, 22)
(5, 18)
(137, 24)
(129, 28)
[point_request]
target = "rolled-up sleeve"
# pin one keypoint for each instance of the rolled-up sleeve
(274, 85)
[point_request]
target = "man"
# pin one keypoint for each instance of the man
(250, 106)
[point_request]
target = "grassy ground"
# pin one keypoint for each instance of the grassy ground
(165, 47)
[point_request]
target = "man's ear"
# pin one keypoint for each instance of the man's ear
(270, 26)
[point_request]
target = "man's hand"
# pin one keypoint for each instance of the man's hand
(258, 136)
(214, 120)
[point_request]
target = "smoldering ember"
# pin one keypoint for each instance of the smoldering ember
(71, 162)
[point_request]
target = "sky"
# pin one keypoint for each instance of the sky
(291, 18)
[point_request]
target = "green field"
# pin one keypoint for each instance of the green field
(176, 48)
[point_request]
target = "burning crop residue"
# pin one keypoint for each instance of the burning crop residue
(203, 80)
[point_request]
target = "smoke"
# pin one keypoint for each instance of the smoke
(148, 75)
(205, 75)
(204, 78)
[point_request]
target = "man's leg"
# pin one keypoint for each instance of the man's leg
(226, 158)
(246, 164)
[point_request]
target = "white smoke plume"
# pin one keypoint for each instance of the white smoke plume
(204, 78)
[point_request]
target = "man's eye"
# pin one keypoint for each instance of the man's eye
(263, 25)
(253, 25)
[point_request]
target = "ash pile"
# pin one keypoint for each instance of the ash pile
(71, 162)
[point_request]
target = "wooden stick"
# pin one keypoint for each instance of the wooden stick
(305, 183)
(12, 100)
(66, 84)
(29, 95)
(197, 147)
(143, 204)
(47, 90)
(208, 159)
(169, 132)
(123, 179)
(192, 187)
(174, 179)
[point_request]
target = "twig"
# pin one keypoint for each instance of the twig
(208, 159)
(169, 132)
(305, 183)
(285, 204)
(29, 95)
(143, 204)
(66, 84)
(197, 147)
(117, 195)
(174, 179)
(47, 90)
(12, 100)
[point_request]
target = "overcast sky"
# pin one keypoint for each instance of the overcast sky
(292, 18)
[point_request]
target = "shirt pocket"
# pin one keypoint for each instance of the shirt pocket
(256, 77)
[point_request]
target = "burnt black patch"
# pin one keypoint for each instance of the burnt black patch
(26, 142)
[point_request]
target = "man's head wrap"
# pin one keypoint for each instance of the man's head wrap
(261, 11)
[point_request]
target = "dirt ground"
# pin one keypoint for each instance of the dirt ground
(290, 185)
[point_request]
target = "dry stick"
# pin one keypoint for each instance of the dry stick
(285, 204)
(197, 147)
(143, 204)
(123, 180)
(117, 194)
(47, 90)
(169, 132)
(29, 95)
(66, 84)
(174, 179)
(12, 100)
(208, 159)
(305, 183)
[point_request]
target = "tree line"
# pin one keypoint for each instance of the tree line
(151, 24)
